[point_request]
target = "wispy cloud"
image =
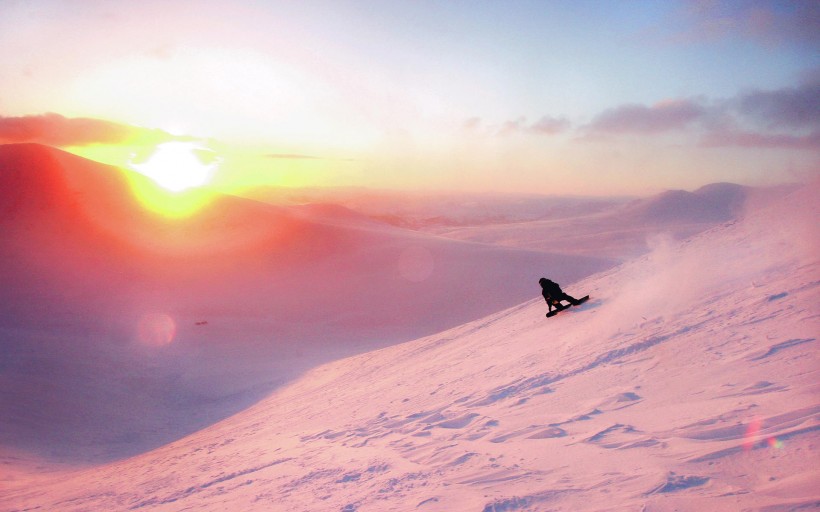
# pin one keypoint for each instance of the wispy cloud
(749, 139)
(472, 124)
(546, 125)
(57, 130)
(550, 125)
(790, 108)
(661, 117)
(779, 118)
(513, 126)
(770, 22)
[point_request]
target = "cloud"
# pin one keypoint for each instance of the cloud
(513, 126)
(550, 125)
(545, 126)
(790, 108)
(56, 130)
(662, 117)
(472, 124)
(779, 118)
(748, 139)
(765, 21)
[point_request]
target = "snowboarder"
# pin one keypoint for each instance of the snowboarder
(554, 295)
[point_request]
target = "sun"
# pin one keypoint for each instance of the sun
(178, 166)
(171, 180)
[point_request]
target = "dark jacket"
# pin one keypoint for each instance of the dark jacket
(550, 290)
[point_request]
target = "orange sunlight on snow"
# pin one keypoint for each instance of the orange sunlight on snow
(173, 205)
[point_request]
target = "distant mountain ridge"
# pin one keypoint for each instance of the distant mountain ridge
(437, 211)
(717, 202)
(625, 231)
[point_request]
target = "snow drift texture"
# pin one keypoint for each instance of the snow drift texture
(687, 382)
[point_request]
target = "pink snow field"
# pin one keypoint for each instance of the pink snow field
(262, 355)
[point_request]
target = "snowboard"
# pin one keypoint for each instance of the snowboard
(560, 308)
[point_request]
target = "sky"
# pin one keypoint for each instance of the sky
(549, 97)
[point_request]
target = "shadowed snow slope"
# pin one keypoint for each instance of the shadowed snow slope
(121, 329)
(687, 382)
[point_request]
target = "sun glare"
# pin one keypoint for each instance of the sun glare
(171, 179)
(178, 166)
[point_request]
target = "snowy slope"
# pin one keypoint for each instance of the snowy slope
(624, 231)
(688, 382)
(121, 330)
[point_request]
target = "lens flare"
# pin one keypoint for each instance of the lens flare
(774, 443)
(157, 329)
(750, 437)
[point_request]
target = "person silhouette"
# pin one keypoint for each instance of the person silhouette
(553, 294)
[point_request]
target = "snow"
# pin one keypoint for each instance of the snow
(687, 382)
(624, 232)
(92, 290)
